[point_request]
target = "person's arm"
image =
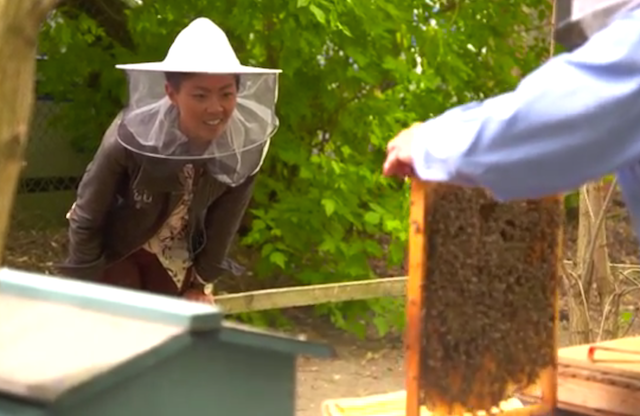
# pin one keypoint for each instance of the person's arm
(574, 119)
(95, 196)
(222, 222)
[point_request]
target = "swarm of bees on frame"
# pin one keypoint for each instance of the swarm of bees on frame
(489, 298)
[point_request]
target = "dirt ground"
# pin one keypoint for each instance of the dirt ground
(362, 367)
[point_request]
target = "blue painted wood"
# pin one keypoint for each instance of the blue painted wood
(108, 299)
(210, 368)
(244, 335)
(209, 378)
(144, 363)
(13, 407)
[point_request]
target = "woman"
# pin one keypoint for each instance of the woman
(160, 203)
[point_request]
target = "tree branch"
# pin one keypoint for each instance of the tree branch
(587, 266)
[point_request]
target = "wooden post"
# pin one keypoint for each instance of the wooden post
(20, 22)
(417, 269)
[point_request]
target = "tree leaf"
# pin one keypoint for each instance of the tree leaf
(278, 258)
(318, 13)
(329, 206)
(372, 218)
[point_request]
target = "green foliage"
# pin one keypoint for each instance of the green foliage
(572, 199)
(323, 213)
(626, 321)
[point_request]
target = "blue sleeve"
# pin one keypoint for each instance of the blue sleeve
(575, 119)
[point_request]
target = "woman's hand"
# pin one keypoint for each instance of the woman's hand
(198, 296)
(199, 290)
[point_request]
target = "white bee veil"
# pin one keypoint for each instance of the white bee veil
(149, 125)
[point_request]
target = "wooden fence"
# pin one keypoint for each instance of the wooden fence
(290, 297)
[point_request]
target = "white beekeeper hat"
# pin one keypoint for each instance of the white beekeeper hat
(201, 47)
(149, 123)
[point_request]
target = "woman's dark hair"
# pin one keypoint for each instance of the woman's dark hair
(175, 79)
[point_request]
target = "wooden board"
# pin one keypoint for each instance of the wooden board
(610, 385)
(415, 287)
(607, 387)
(49, 348)
(594, 397)
(607, 359)
(585, 391)
(390, 404)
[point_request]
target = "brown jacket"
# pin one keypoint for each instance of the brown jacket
(122, 202)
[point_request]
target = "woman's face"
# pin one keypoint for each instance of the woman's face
(205, 103)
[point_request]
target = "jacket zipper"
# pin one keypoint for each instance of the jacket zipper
(199, 172)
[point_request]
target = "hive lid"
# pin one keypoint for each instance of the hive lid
(58, 334)
(192, 316)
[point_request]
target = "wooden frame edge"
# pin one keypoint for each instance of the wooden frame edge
(415, 284)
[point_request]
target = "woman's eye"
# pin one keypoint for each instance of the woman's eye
(200, 96)
(228, 94)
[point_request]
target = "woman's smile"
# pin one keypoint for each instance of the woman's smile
(205, 103)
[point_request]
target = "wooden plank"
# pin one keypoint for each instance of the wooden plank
(594, 395)
(593, 398)
(415, 287)
(606, 360)
(389, 404)
(607, 388)
(290, 297)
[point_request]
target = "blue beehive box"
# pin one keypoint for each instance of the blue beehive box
(83, 349)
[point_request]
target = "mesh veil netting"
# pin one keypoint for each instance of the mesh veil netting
(149, 128)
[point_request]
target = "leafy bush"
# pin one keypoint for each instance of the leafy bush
(355, 73)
